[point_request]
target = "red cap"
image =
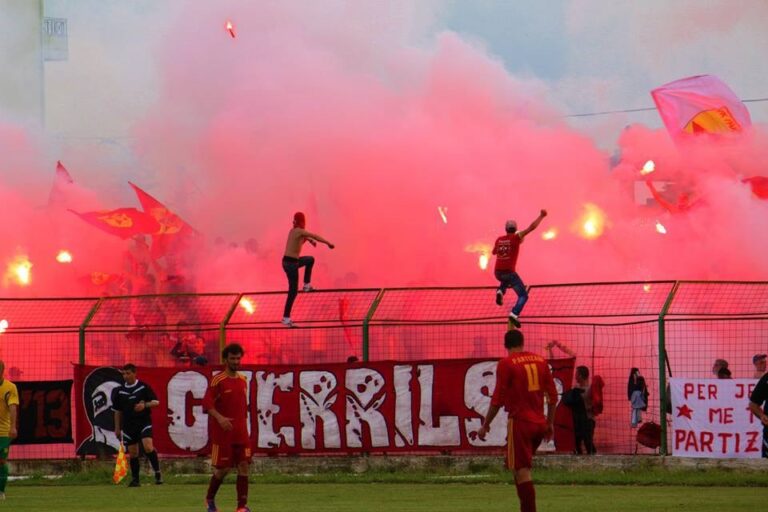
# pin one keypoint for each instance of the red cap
(299, 220)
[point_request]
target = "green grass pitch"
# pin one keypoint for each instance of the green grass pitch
(382, 497)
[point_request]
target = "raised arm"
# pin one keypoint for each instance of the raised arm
(522, 234)
(312, 236)
(564, 348)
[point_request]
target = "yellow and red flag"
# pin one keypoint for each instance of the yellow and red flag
(121, 466)
(168, 222)
(700, 104)
(122, 222)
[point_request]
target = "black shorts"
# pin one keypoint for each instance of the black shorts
(132, 434)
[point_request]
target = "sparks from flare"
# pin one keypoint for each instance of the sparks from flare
(64, 256)
(660, 228)
(549, 234)
(231, 29)
(592, 222)
(648, 168)
(443, 211)
(19, 271)
(248, 305)
(3, 325)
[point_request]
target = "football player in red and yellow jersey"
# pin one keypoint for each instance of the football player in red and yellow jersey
(523, 380)
(226, 402)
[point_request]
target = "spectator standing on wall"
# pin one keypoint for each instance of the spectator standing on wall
(506, 249)
(293, 261)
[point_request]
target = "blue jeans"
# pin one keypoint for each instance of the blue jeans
(512, 280)
(291, 267)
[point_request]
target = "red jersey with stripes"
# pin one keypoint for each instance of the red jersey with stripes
(506, 249)
(522, 381)
(229, 396)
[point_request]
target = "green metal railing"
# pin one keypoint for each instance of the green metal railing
(434, 311)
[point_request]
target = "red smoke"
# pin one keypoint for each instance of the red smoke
(368, 129)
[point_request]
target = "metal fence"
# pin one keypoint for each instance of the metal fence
(663, 328)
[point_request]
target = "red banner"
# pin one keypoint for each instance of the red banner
(334, 408)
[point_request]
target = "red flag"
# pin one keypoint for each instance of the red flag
(60, 184)
(123, 222)
(759, 185)
(168, 222)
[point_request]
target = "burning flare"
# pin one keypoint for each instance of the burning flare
(19, 271)
(247, 305)
(592, 222)
(482, 261)
(443, 211)
(648, 168)
(484, 254)
(660, 228)
(64, 256)
(3, 325)
(646, 287)
(549, 234)
(231, 29)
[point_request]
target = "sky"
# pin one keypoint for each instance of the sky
(373, 118)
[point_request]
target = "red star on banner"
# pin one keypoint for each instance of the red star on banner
(685, 411)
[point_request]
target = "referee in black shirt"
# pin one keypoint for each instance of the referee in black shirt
(132, 402)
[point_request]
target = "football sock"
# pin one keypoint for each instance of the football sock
(527, 495)
(152, 456)
(135, 468)
(242, 490)
(213, 488)
(3, 476)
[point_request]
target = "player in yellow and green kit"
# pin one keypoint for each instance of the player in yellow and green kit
(9, 408)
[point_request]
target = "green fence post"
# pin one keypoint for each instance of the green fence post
(367, 321)
(84, 326)
(663, 368)
(223, 325)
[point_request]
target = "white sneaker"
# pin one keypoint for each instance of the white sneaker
(547, 446)
(499, 298)
(287, 322)
(308, 288)
(513, 320)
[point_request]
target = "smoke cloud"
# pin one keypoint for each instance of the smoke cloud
(368, 118)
